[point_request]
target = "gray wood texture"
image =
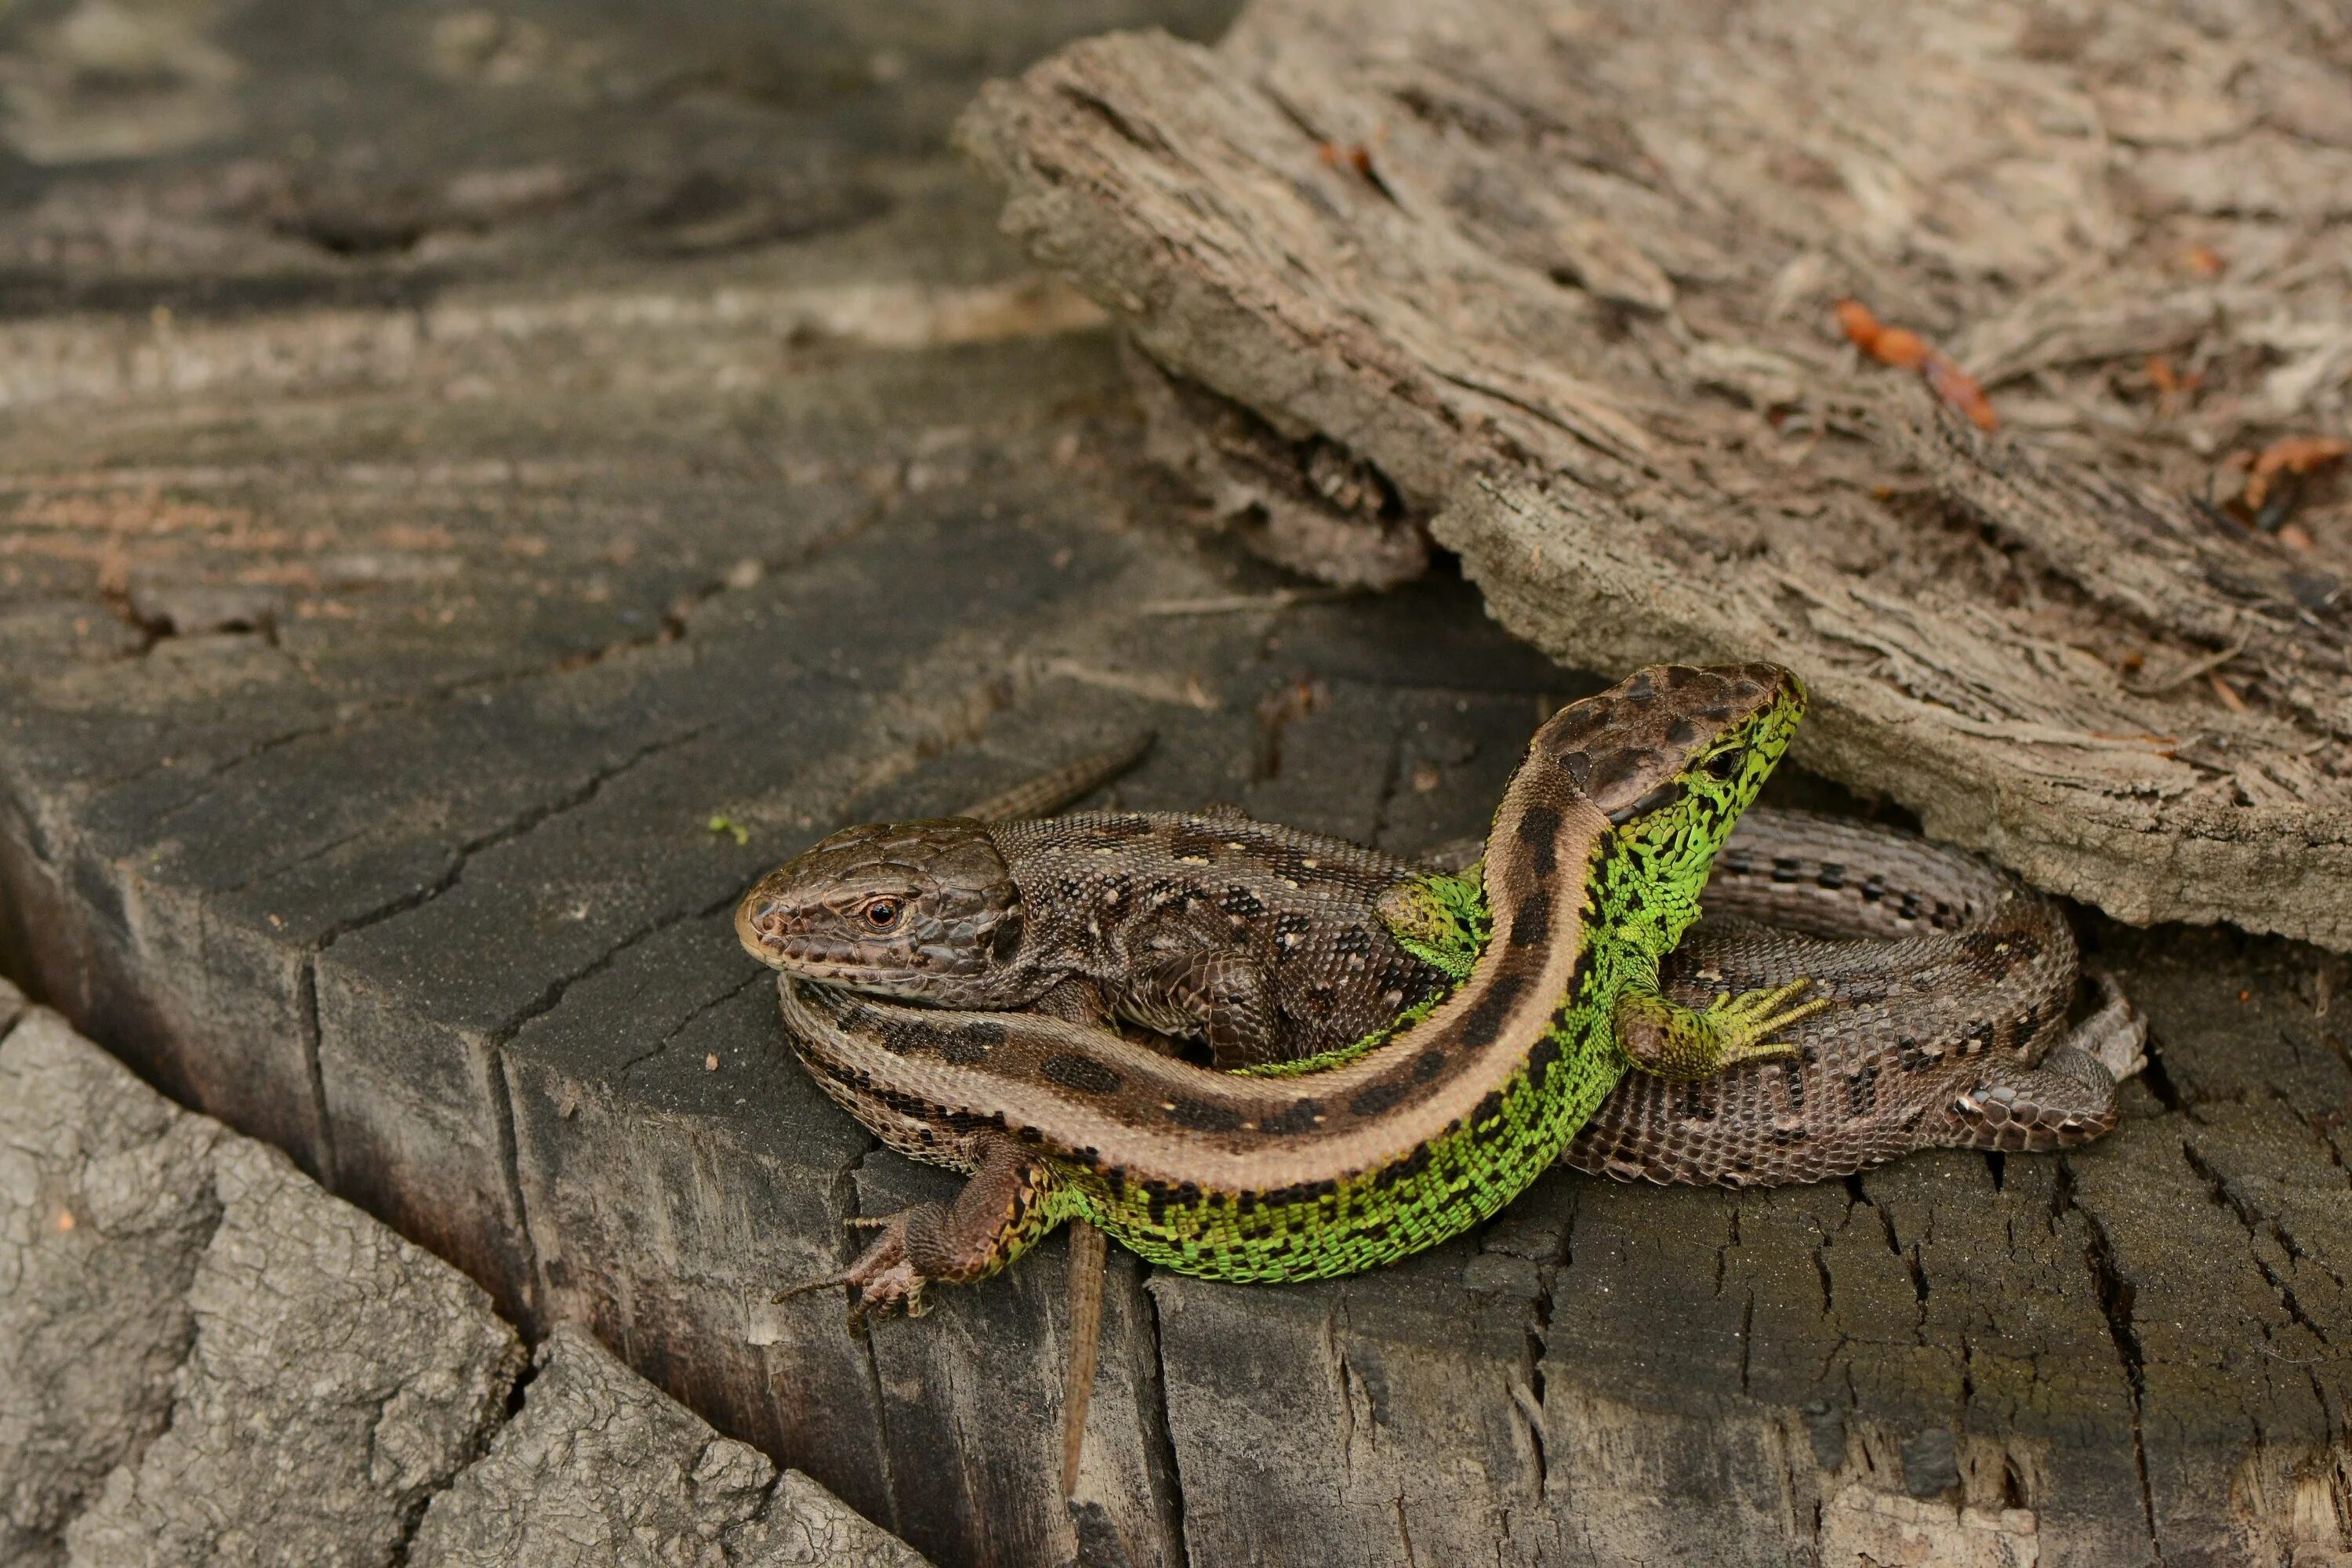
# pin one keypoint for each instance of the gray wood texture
(384, 627)
(1559, 281)
(209, 1361)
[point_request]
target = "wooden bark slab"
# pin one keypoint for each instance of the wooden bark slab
(1559, 281)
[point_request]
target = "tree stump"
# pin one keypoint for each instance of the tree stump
(416, 634)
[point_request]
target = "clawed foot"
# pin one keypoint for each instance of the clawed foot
(882, 1275)
(1440, 918)
(1677, 1042)
(1743, 1026)
(2116, 1037)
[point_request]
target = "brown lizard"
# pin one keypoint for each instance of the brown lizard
(1949, 982)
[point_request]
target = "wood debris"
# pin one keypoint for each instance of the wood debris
(1906, 350)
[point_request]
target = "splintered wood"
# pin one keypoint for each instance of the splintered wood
(1561, 286)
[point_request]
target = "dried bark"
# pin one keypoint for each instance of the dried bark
(1564, 283)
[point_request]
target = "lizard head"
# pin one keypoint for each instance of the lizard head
(1671, 756)
(918, 910)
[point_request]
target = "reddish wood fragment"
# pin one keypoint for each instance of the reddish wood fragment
(1957, 388)
(1859, 324)
(2204, 261)
(2294, 455)
(1901, 347)
(1906, 350)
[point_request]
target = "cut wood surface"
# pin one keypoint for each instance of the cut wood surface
(394, 640)
(1559, 281)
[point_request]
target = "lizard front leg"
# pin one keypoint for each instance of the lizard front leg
(1227, 997)
(1007, 1205)
(1075, 999)
(1677, 1042)
(1440, 919)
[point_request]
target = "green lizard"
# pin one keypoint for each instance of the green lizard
(1592, 871)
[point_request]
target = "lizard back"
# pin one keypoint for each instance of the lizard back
(1106, 892)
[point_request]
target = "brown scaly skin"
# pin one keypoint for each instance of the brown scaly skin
(1949, 981)
(1949, 985)
(1597, 856)
(1261, 940)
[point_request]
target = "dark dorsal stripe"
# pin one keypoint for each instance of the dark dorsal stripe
(1166, 1117)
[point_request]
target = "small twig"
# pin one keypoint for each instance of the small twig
(1234, 604)
(2187, 672)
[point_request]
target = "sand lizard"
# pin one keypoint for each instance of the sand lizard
(1599, 848)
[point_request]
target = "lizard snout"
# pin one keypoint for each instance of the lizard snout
(759, 924)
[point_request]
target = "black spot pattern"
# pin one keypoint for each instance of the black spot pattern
(1487, 1016)
(1289, 864)
(1193, 842)
(1084, 1074)
(1404, 1170)
(1538, 830)
(1239, 901)
(968, 1044)
(1297, 1118)
(1862, 1089)
(1532, 924)
(1203, 1116)
(1541, 1058)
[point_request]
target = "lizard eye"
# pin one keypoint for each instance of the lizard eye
(1726, 765)
(882, 914)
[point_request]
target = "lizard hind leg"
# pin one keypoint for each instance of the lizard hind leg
(2068, 1098)
(1006, 1205)
(1671, 1041)
(2115, 1036)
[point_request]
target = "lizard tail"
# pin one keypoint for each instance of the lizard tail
(1073, 781)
